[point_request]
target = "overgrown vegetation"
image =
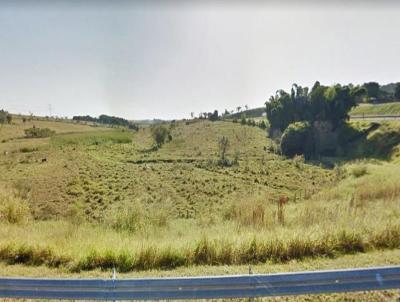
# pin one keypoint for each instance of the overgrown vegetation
(38, 132)
(13, 209)
(160, 135)
(101, 199)
(314, 124)
(5, 117)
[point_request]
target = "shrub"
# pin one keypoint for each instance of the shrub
(359, 170)
(160, 135)
(13, 210)
(223, 145)
(382, 141)
(28, 149)
(5, 117)
(297, 139)
(129, 219)
(236, 157)
(339, 172)
(38, 132)
(298, 161)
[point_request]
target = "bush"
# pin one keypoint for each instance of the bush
(28, 149)
(359, 170)
(339, 172)
(160, 135)
(5, 117)
(38, 132)
(130, 219)
(223, 145)
(382, 141)
(297, 139)
(13, 210)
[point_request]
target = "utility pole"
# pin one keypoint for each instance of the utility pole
(50, 109)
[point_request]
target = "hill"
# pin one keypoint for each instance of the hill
(378, 109)
(94, 197)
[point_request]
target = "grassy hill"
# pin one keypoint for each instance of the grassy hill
(378, 109)
(93, 197)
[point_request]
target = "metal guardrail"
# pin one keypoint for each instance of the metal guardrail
(204, 287)
(376, 116)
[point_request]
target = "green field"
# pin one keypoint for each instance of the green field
(378, 109)
(94, 198)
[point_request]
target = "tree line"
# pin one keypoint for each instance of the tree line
(107, 120)
(376, 93)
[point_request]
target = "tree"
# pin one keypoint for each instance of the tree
(297, 139)
(213, 116)
(322, 103)
(9, 118)
(223, 145)
(3, 117)
(372, 89)
(397, 91)
(160, 135)
(238, 108)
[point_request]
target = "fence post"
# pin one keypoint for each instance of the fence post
(114, 277)
(251, 299)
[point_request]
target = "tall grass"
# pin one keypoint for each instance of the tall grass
(210, 252)
(356, 215)
(359, 170)
(13, 209)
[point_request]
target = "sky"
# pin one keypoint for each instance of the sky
(166, 59)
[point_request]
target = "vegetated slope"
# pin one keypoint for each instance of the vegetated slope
(101, 170)
(102, 200)
(378, 109)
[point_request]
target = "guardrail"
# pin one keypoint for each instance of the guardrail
(204, 287)
(376, 116)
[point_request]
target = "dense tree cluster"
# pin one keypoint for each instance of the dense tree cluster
(321, 103)
(376, 93)
(212, 116)
(310, 120)
(108, 120)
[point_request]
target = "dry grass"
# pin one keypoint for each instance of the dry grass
(112, 201)
(13, 209)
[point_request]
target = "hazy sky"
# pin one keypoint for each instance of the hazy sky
(167, 59)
